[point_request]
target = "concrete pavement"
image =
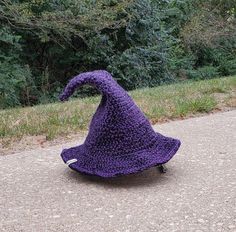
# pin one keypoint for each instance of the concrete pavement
(38, 192)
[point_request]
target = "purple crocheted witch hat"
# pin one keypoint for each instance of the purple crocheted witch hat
(120, 139)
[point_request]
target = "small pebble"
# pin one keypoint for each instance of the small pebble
(200, 220)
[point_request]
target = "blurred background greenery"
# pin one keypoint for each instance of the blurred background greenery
(143, 43)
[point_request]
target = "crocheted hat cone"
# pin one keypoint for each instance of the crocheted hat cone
(120, 139)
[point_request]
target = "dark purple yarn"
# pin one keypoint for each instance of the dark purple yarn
(120, 139)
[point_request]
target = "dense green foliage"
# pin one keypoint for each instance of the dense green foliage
(44, 43)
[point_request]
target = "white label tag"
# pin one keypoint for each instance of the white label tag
(71, 161)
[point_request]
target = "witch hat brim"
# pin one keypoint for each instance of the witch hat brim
(110, 166)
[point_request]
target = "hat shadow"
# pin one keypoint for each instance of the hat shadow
(146, 178)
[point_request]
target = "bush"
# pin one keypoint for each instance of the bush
(214, 43)
(142, 42)
(144, 62)
(15, 78)
(205, 72)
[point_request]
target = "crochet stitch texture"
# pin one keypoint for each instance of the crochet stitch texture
(120, 139)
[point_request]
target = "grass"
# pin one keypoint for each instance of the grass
(159, 103)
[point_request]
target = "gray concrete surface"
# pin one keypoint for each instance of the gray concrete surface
(198, 193)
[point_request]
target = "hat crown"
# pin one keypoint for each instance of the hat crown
(118, 125)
